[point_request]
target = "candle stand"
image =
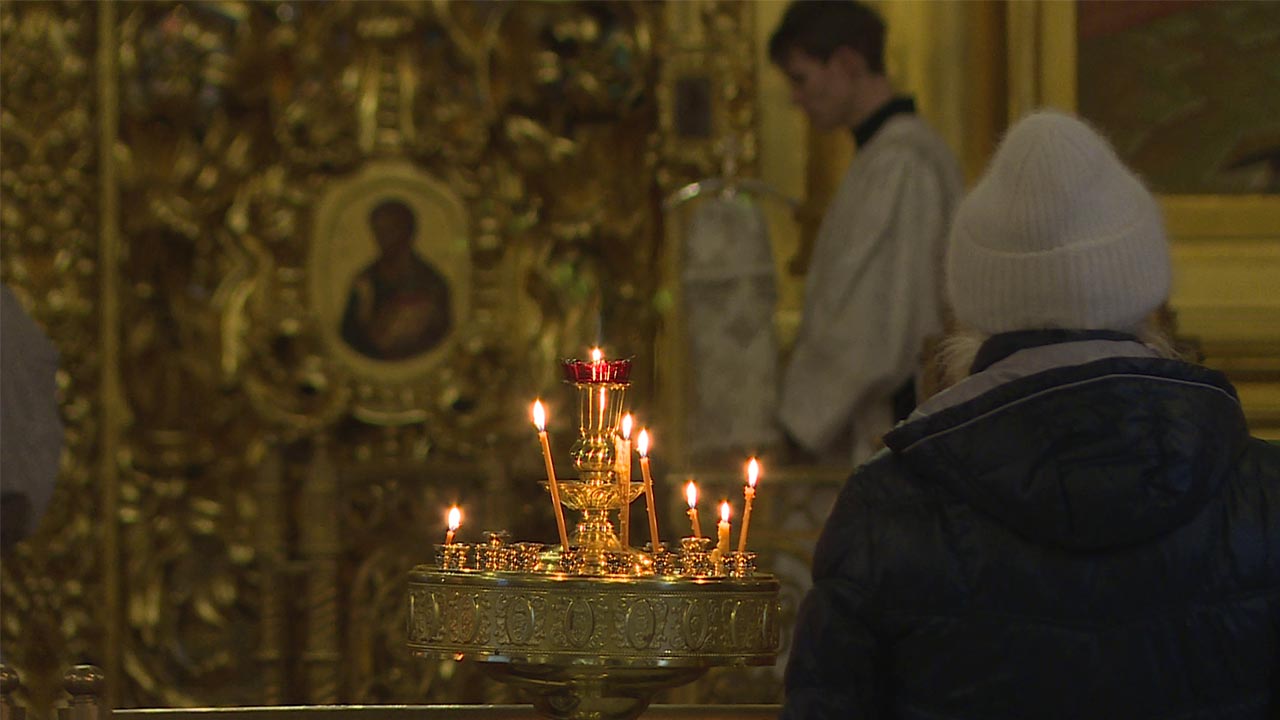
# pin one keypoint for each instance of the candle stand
(595, 630)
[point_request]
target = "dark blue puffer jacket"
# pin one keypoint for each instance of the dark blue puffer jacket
(1098, 540)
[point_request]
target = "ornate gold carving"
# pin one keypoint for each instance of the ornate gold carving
(246, 451)
(52, 587)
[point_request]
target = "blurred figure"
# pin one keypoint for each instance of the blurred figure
(873, 291)
(1081, 527)
(398, 306)
(31, 433)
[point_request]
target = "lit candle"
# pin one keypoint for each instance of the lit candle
(748, 492)
(624, 479)
(596, 365)
(540, 422)
(642, 447)
(722, 539)
(691, 494)
(454, 519)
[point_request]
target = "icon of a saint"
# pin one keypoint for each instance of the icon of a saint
(398, 306)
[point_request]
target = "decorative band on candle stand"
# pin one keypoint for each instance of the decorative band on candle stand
(452, 556)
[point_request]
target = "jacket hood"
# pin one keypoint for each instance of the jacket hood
(1086, 457)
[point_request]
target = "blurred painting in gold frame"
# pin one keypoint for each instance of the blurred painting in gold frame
(388, 271)
(1185, 91)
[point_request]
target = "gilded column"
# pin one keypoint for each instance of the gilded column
(318, 533)
(273, 556)
(113, 406)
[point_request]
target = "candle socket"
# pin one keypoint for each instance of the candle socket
(622, 562)
(695, 557)
(574, 562)
(664, 561)
(525, 556)
(740, 564)
(491, 556)
(452, 556)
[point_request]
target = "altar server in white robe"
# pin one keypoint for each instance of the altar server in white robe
(873, 290)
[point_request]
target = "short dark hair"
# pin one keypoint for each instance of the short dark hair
(820, 27)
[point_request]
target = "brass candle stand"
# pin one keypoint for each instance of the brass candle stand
(594, 630)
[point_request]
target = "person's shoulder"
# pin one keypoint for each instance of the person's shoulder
(907, 140)
(910, 129)
(884, 484)
(881, 500)
(1260, 463)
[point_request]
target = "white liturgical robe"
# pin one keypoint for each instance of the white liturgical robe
(874, 291)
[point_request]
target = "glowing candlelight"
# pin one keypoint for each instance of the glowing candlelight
(624, 480)
(722, 540)
(454, 520)
(642, 447)
(540, 422)
(596, 357)
(748, 492)
(691, 494)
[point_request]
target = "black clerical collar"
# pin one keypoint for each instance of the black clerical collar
(863, 131)
(1001, 346)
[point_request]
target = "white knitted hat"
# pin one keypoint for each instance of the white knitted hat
(1057, 234)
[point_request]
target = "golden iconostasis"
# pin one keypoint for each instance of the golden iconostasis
(260, 435)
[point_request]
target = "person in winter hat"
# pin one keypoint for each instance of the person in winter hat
(1079, 528)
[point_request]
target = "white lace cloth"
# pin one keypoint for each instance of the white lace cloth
(730, 293)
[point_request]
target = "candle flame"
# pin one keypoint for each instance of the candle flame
(642, 443)
(753, 472)
(539, 416)
(626, 426)
(691, 493)
(455, 517)
(596, 354)
(724, 511)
